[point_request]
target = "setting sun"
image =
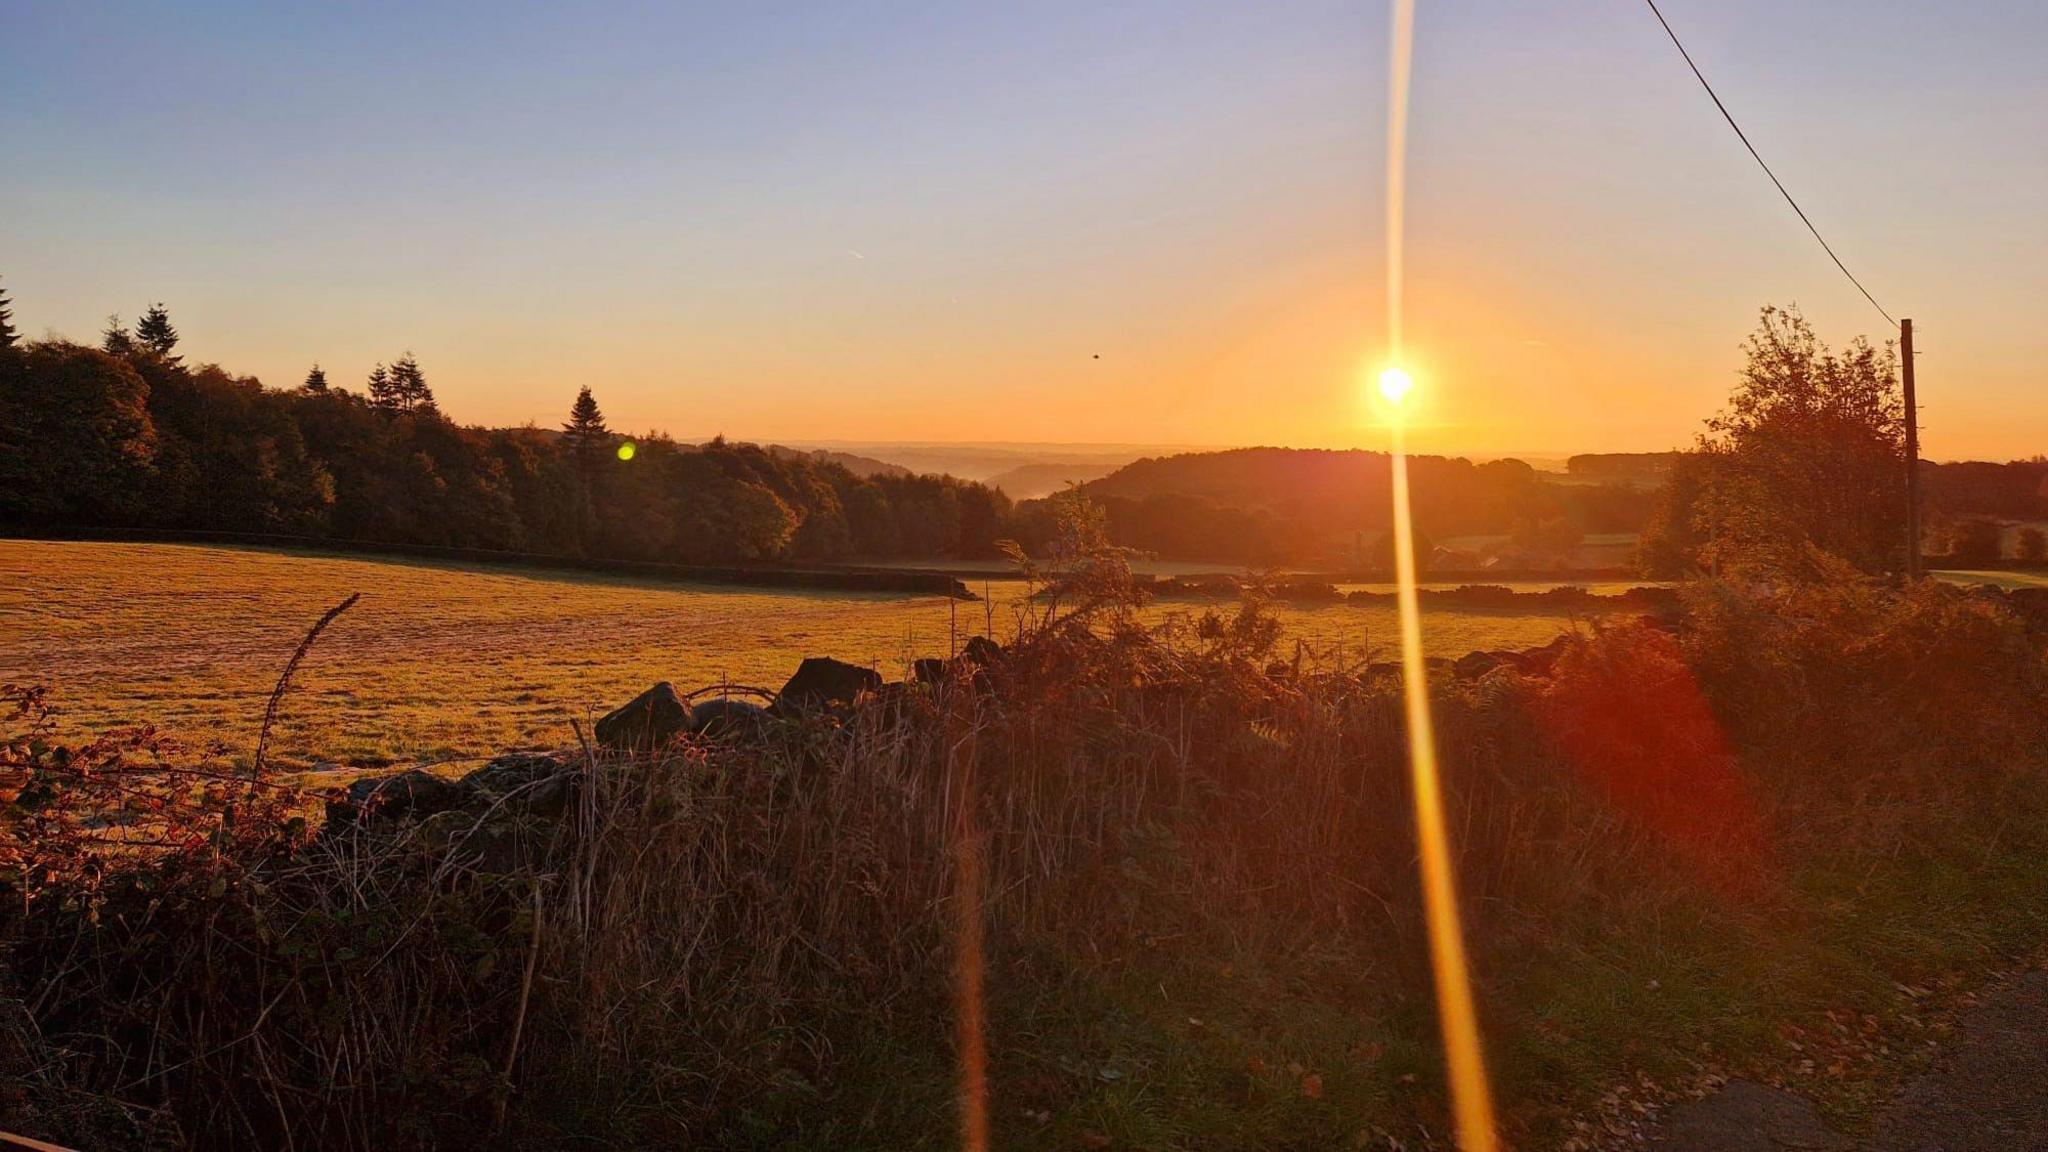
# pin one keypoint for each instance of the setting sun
(1395, 385)
(889, 570)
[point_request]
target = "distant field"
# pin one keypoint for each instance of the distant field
(2001, 579)
(443, 661)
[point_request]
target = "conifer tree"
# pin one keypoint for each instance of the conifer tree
(316, 380)
(382, 394)
(8, 336)
(586, 423)
(154, 332)
(115, 338)
(409, 387)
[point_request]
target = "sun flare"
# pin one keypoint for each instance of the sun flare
(1395, 384)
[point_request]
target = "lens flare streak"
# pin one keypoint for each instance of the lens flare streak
(1471, 1095)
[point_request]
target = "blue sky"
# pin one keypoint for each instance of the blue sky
(928, 221)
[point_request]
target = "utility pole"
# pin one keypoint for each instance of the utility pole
(1912, 453)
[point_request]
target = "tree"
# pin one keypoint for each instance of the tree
(155, 334)
(115, 338)
(1809, 454)
(316, 380)
(585, 429)
(382, 394)
(77, 443)
(2032, 544)
(8, 336)
(1976, 541)
(409, 388)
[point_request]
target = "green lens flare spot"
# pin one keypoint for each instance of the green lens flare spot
(626, 450)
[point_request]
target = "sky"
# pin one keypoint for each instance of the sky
(1154, 222)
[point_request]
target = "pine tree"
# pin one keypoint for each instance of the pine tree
(585, 428)
(154, 332)
(382, 394)
(409, 387)
(316, 380)
(116, 338)
(8, 336)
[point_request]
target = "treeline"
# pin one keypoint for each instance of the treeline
(1287, 505)
(127, 436)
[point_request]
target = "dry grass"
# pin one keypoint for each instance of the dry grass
(442, 661)
(1199, 894)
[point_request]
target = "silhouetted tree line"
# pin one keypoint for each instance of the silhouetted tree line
(126, 436)
(1297, 506)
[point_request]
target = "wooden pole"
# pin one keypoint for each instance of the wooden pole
(1912, 452)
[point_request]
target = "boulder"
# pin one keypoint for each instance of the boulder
(723, 715)
(929, 671)
(1473, 665)
(822, 682)
(1542, 661)
(982, 650)
(647, 721)
(413, 794)
(534, 782)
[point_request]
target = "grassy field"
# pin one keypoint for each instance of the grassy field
(2000, 579)
(442, 661)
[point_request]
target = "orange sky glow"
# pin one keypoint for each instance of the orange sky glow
(1156, 224)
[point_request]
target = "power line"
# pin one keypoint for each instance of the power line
(1726, 115)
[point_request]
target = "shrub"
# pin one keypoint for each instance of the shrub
(1976, 541)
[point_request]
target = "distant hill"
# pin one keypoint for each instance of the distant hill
(865, 467)
(984, 461)
(1292, 505)
(1030, 481)
(1634, 467)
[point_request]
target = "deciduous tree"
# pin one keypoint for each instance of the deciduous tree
(1809, 453)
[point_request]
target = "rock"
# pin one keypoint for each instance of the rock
(534, 782)
(929, 671)
(723, 715)
(1542, 661)
(1473, 665)
(891, 699)
(647, 721)
(983, 651)
(822, 682)
(1749, 1117)
(414, 794)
